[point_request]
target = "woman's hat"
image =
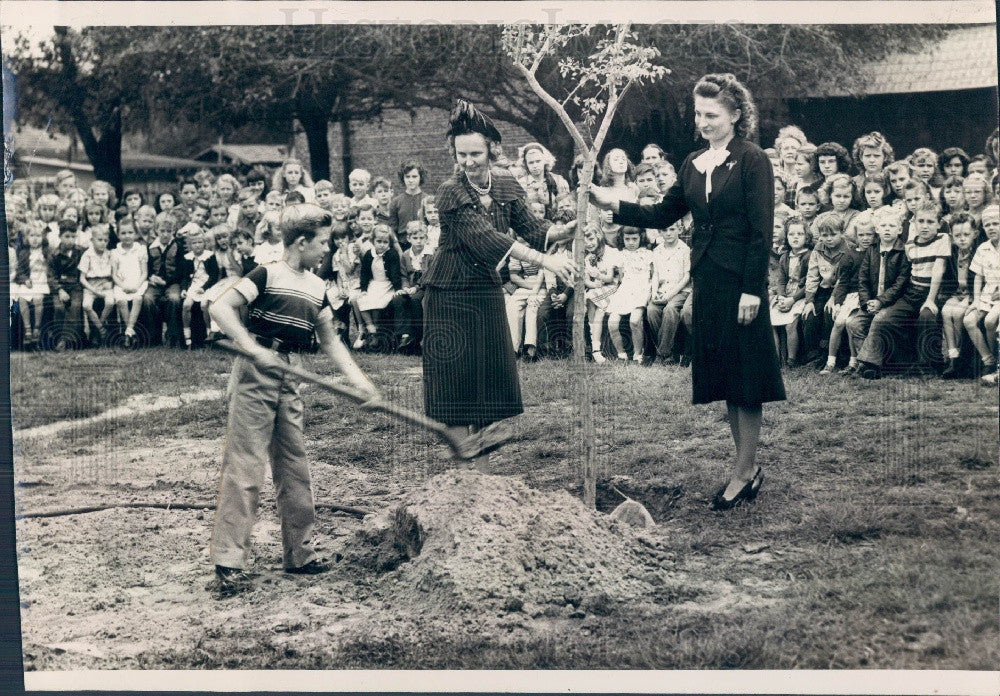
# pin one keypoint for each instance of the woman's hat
(466, 118)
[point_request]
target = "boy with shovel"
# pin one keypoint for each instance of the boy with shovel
(287, 307)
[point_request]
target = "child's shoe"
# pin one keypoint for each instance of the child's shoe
(850, 371)
(827, 370)
(359, 342)
(598, 357)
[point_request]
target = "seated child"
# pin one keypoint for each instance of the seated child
(929, 252)
(986, 291)
(381, 279)
(844, 301)
(32, 280)
(95, 277)
(788, 295)
(269, 249)
(958, 292)
(199, 272)
(129, 269)
(408, 311)
(630, 299)
(672, 264)
(67, 293)
(882, 281)
(830, 247)
(601, 280)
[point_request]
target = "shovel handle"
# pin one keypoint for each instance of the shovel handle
(359, 397)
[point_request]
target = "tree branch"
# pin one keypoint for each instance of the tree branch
(555, 106)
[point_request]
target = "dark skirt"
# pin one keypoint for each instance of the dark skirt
(470, 372)
(737, 364)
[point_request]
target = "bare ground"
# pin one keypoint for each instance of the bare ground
(847, 560)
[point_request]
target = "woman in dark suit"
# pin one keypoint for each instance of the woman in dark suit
(729, 190)
(470, 376)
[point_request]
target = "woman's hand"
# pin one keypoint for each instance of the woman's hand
(562, 266)
(749, 304)
(604, 198)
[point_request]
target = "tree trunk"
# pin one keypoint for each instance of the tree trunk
(583, 387)
(316, 125)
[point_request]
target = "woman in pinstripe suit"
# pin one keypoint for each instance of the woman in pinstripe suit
(470, 376)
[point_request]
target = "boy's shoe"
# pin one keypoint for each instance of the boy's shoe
(313, 567)
(231, 581)
(991, 379)
(405, 343)
(869, 371)
(828, 370)
(950, 370)
(598, 356)
(359, 342)
(850, 371)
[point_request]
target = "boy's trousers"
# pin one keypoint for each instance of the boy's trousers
(265, 424)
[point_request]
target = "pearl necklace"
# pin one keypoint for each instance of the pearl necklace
(489, 183)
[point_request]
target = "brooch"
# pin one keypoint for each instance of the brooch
(729, 165)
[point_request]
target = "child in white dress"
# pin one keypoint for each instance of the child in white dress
(601, 280)
(129, 272)
(630, 299)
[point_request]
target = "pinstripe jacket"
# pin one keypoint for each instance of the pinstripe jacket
(474, 240)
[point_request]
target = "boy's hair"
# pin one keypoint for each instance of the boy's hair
(126, 224)
(133, 192)
(323, 185)
(382, 228)
(338, 198)
(188, 182)
(358, 174)
(365, 206)
(236, 235)
(887, 213)
(380, 182)
(256, 175)
(408, 166)
(302, 220)
(961, 218)
(146, 208)
(797, 220)
(294, 198)
(839, 180)
(246, 193)
(203, 204)
(643, 168)
(993, 208)
(180, 215)
(864, 221)
(916, 184)
(189, 228)
(49, 199)
(165, 219)
(894, 167)
(273, 197)
(102, 230)
(218, 206)
(829, 222)
(66, 226)
(222, 230)
(928, 204)
(805, 191)
(421, 227)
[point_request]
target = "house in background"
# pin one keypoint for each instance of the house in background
(244, 157)
(943, 96)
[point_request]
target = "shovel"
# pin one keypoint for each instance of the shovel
(470, 447)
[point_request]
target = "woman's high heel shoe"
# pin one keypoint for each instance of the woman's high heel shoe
(720, 502)
(755, 484)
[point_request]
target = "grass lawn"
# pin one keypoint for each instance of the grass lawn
(872, 544)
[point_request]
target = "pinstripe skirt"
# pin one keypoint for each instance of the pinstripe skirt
(470, 373)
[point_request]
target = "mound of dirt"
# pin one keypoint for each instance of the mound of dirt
(464, 538)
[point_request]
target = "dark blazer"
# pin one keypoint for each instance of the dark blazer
(474, 240)
(788, 285)
(187, 271)
(897, 274)
(848, 270)
(64, 270)
(734, 227)
(393, 269)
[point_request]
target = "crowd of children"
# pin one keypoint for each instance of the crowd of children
(876, 262)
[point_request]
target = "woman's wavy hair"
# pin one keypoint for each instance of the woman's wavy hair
(837, 150)
(950, 153)
(872, 141)
(734, 95)
(607, 177)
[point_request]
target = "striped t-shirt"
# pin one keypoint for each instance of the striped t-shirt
(285, 304)
(922, 256)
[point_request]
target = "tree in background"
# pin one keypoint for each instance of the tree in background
(592, 87)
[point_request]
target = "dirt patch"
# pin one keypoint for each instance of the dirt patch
(465, 538)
